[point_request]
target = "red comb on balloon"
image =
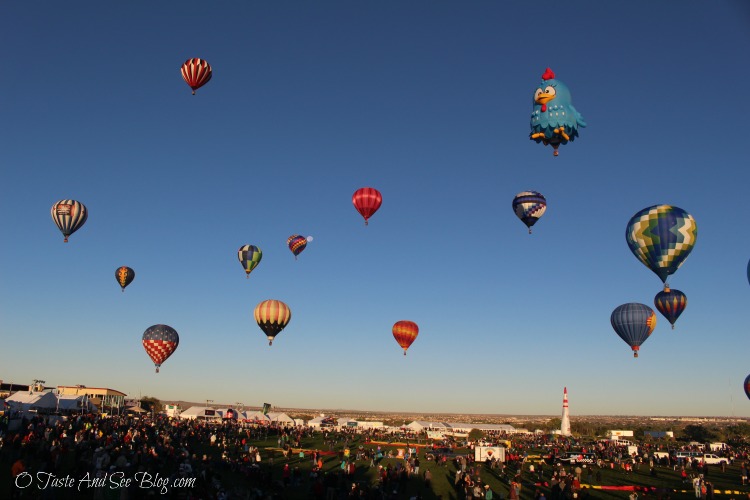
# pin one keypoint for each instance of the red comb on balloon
(548, 75)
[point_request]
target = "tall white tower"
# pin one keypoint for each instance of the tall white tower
(565, 421)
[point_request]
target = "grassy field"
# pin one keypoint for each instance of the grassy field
(269, 477)
(727, 484)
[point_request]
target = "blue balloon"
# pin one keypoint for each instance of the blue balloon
(634, 323)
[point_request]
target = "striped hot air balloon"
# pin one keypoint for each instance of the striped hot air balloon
(297, 243)
(670, 303)
(249, 256)
(405, 332)
(634, 323)
(69, 215)
(529, 206)
(160, 341)
(272, 316)
(124, 276)
(367, 200)
(662, 237)
(196, 73)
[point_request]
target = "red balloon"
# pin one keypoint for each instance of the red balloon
(405, 332)
(367, 201)
(196, 73)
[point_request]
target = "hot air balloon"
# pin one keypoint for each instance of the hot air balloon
(662, 237)
(196, 73)
(69, 215)
(405, 332)
(367, 200)
(634, 323)
(272, 316)
(747, 386)
(529, 206)
(297, 243)
(124, 276)
(554, 120)
(160, 341)
(670, 303)
(249, 256)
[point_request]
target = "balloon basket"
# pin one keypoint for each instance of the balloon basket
(672, 327)
(157, 369)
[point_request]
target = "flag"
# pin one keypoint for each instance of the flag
(266, 407)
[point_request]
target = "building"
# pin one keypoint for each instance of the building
(103, 398)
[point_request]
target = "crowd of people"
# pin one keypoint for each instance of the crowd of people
(194, 459)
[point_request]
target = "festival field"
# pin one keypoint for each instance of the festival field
(234, 476)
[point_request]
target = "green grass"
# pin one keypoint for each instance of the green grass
(442, 476)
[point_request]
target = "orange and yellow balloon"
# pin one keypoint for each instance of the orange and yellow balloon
(405, 332)
(272, 316)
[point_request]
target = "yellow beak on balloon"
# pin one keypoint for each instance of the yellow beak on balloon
(544, 98)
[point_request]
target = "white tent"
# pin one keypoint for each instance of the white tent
(25, 401)
(200, 412)
(281, 418)
(72, 402)
(254, 416)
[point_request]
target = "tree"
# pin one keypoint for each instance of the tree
(475, 435)
(697, 433)
(151, 404)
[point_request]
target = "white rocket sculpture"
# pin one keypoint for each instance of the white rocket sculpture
(565, 421)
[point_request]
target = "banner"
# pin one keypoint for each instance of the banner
(266, 407)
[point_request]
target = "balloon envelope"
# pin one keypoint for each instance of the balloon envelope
(196, 73)
(124, 276)
(272, 316)
(160, 341)
(670, 303)
(367, 200)
(69, 216)
(296, 244)
(662, 237)
(405, 332)
(529, 206)
(249, 256)
(634, 323)
(747, 386)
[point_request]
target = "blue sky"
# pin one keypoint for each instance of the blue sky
(428, 102)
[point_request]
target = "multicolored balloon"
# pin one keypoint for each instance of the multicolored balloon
(160, 341)
(670, 302)
(634, 323)
(558, 122)
(662, 237)
(297, 243)
(124, 276)
(747, 386)
(405, 332)
(196, 73)
(529, 206)
(367, 200)
(69, 215)
(272, 316)
(249, 256)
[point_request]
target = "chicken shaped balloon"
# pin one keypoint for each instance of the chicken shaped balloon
(554, 120)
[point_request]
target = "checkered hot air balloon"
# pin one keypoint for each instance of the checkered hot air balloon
(160, 341)
(272, 316)
(69, 216)
(124, 276)
(405, 333)
(249, 256)
(297, 243)
(529, 206)
(634, 323)
(196, 73)
(662, 237)
(670, 303)
(367, 200)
